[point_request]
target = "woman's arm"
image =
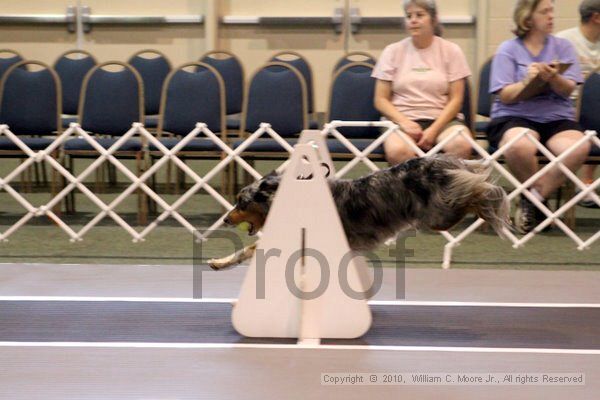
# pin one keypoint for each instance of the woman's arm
(383, 103)
(456, 94)
(509, 93)
(558, 83)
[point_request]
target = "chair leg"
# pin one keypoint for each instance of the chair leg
(99, 174)
(70, 200)
(169, 171)
(224, 179)
(56, 182)
(36, 174)
(153, 185)
(180, 178)
(248, 179)
(112, 174)
(142, 200)
(235, 188)
(44, 175)
(23, 177)
(569, 192)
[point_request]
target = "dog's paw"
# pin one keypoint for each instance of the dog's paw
(222, 263)
(216, 264)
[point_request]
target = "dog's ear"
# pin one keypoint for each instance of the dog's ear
(268, 184)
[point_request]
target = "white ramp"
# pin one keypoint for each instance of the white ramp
(293, 288)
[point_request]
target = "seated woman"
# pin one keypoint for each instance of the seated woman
(420, 86)
(550, 116)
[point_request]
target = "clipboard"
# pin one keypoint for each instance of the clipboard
(537, 85)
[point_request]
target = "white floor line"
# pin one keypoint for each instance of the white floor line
(120, 299)
(233, 300)
(225, 346)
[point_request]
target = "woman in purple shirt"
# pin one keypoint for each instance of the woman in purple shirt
(550, 116)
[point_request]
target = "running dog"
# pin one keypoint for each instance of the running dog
(432, 193)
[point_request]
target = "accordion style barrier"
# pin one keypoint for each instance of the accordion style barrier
(230, 155)
(554, 161)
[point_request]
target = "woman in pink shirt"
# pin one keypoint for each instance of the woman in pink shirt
(420, 86)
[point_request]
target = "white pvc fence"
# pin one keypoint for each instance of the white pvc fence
(236, 156)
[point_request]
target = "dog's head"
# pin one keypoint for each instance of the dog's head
(253, 203)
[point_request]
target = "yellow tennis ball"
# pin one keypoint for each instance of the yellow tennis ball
(244, 226)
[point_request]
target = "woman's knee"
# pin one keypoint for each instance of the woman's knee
(522, 148)
(397, 155)
(397, 150)
(459, 147)
(565, 141)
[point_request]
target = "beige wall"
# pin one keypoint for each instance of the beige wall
(254, 44)
(45, 43)
(322, 46)
(500, 20)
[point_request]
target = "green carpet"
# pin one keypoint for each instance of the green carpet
(41, 241)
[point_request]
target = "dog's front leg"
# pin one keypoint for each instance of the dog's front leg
(233, 259)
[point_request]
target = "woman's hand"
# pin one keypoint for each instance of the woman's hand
(547, 71)
(532, 71)
(412, 129)
(428, 139)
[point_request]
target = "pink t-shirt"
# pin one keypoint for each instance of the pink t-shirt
(420, 77)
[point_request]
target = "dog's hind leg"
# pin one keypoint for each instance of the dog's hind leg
(493, 206)
(233, 259)
(471, 190)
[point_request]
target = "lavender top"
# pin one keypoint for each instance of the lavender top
(510, 66)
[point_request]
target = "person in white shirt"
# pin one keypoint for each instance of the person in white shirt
(586, 39)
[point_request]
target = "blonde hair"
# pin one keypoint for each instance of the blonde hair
(522, 16)
(431, 8)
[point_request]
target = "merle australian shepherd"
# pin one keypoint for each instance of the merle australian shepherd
(433, 193)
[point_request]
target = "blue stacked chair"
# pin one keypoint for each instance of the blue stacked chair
(11, 58)
(276, 95)
(589, 111)
(30, 104)
(193, 92)
(484, 98)
(297, 61)
(352, 57)
(71, 67)
(231, 70)
(153, 66)
(111, 101)
(351, 99)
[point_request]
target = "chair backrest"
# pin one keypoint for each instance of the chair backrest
(467, 106)
(297, 61)
(484, 98)
(354, 56)
(589, 103)
(71, 67)
(276, 95)
(111, 100)
(351, 99)
(231, 70)
(153, 66)
(8, 58)
(190, 97)
(30, 100)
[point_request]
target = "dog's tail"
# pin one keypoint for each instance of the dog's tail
(473, 188)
